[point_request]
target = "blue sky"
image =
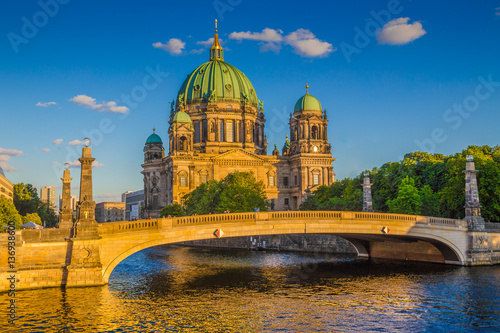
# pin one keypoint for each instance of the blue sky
(394, 76)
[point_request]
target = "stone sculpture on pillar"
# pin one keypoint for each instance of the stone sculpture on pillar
(367, 194)
(86, 225)
(472, 206)
(66, 211)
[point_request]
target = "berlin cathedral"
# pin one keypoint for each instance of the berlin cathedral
(217, 127)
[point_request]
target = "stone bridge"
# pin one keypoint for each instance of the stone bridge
(53, 258)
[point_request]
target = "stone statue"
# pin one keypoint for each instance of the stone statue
(245, 97)
(212, 97)
(181, 99)
(261, 106)
(172, 107)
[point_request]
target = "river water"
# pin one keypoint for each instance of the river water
(174, 289)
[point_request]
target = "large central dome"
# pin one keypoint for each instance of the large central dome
(217, 81)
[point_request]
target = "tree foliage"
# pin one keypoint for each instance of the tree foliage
(26, 201)
(8, 212)
(32, 218)
(438, 181)
(408, 200)
(237, 192)
(174, 210)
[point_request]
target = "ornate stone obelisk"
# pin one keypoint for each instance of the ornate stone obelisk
(66, 211)
(86, 225)
(472, 206)
(367, 194)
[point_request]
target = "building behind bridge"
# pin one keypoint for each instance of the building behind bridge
(216, 127)
(6, 187)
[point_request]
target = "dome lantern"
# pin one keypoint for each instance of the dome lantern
(216, 51)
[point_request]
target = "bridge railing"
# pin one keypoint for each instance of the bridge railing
(203, 219)
(304, 215)
(443, 221)
(124, 226)
(131, 226)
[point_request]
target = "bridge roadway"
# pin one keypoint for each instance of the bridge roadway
(50, 258)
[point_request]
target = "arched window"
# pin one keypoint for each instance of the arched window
(183, 143)
(314, 132)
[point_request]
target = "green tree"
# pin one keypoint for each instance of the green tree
(32, 218)
(241, 192)
(26, 201)
(429, 202)
(203, 199)
(237, 192)
(26, 198)
(174, 210)
(8, 212)
(408, 200)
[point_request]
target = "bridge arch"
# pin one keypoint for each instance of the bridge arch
(360, 229)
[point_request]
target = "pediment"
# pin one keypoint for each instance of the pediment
(238, 154)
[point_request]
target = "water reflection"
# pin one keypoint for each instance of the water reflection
(181, 290)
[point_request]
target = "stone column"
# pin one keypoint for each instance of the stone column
(472, 206)
(367, 194)
(86, 225)
(66, 211)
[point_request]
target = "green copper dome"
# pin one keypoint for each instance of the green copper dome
(182, 117)
(217, 81)
(154, 138)
(308, 103)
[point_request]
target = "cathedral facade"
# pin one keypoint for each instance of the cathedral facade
(217, 127)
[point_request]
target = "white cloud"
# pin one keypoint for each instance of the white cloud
(102, 107)
(399, 32)
(77, 164)
(302, 41)
(5, 155)
(44, 105)
(46, 150)
(267, 35)
(497, 13)
(305, 43)
(75, 143)
(57, 141)
(10, 152)
(4, 159)
(174, 46)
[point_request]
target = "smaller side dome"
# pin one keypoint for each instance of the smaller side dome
(154, 138)
(182, 117)
(307, 103)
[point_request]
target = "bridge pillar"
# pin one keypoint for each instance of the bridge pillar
(472, 206)
(86, 225)
(367, 194)
(66, 211)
